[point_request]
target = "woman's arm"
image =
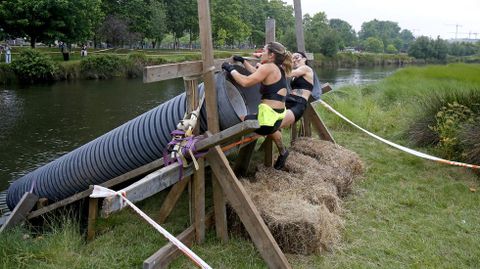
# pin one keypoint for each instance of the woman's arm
(249, 67)
(301, 71)
(256, 77)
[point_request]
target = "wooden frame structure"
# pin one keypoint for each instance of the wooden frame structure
(226, 186)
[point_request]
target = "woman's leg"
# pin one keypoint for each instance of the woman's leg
(288, 120)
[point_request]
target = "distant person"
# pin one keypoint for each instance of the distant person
(65, 52)
(83, 52)
(8, 55)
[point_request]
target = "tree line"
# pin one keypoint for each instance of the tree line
(235, 24)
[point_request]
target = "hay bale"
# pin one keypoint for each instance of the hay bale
(301, 205)
(298, 226)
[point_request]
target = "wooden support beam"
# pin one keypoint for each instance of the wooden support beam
(220, 209)
(199, 202)
(294, 132)
(317, 122)
(167, 176)
(19, 213)
(244, 157)
(92, 218)
(172, 199)
(147, 186)
(246, 210)
(162, 72)
(228, 134)
(307, 130)
(268, 143)
(163, 257)
(120, 179)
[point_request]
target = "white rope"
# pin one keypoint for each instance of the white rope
(102, 192)
(402, 148)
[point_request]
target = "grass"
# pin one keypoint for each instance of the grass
(406, 212)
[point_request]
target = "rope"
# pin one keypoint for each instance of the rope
(241, 142)
(402, 148)
(102, 192)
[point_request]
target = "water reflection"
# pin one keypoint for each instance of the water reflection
(353, 76)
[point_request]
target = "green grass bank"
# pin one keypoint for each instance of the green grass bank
(405, 213)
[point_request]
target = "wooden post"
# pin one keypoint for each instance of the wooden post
(19, 213)
(243, 160)
(299, 25)
(92, 217)
(199, 201)
(294, 132)
(246, 210)
(192, 99)
(211, 103)
(307, 130)
(322, 130)
(171, 199)
(269, 30)
(268, 152)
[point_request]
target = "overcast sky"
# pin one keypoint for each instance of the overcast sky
(422, 17)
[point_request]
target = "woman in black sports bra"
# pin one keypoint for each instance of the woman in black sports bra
(277, 64)
(302, 86)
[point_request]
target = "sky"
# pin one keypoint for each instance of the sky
(422, 17)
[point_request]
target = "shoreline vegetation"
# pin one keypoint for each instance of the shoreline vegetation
(47, 65)
(406, 212)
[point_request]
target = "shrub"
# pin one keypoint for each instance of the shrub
(33, 66)
(447, 124)
(135, 63)
(102, 66)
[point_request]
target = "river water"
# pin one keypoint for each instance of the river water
(42, 122)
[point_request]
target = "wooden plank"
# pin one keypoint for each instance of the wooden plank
(326, 88)
(318, 124)
(299, 25)
(172, 199)
(163, 257)
(220, 209)
(268, 152)
(246, 210)
(162, 72)
(228, 134)
(92, 218)
(147, 186)
(167, 176)
(19, 213)
(199, 202)
(120, 179)
(244, 157)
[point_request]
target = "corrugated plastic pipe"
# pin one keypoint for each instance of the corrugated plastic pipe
(129, 146)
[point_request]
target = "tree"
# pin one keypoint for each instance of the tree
(345, 31)
(329, 43)
(314, 28)
(440, 49)
(386, 31)
(407, 38)
(226, 16)
(46, 21)
(391, 49)
(373, 44)
(114, 30)
(158, 27)
(422, 48)
(181, 16)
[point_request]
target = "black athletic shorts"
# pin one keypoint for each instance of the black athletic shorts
(296, 104)
(265, 130)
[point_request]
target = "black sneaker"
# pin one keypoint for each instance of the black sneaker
(280, 162)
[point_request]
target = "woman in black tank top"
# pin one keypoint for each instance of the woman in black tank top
(277, 63)
(302, 85)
